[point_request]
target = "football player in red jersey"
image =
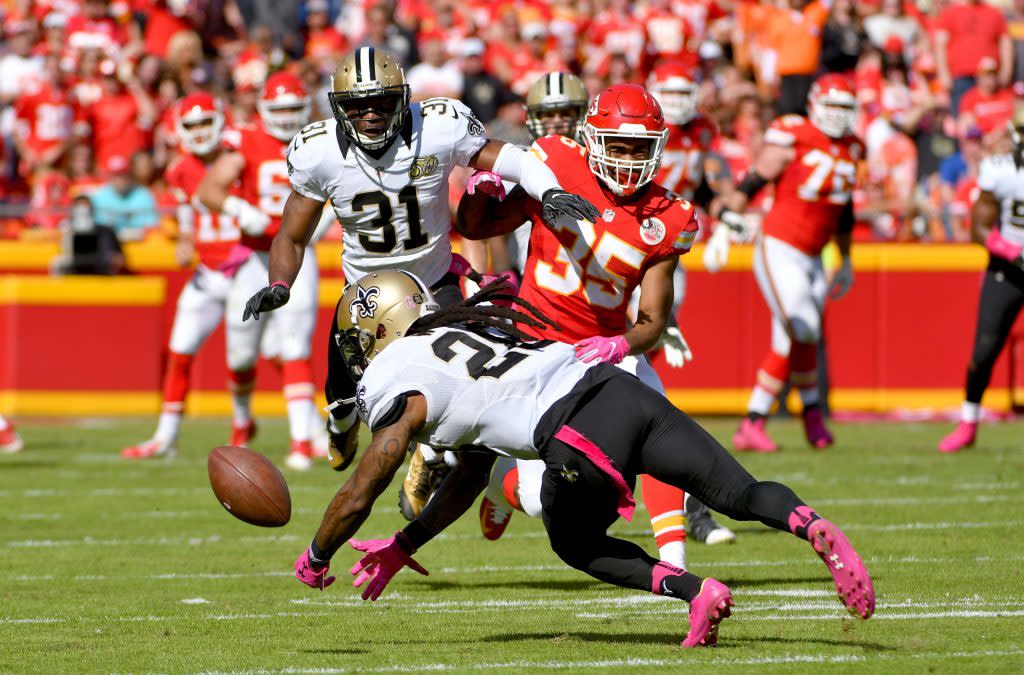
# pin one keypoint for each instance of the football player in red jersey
(199, 123)
(582, 275)
(813, 163)
(258, 164)
(10, 441)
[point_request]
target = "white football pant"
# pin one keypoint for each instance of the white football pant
(794, 285)
(200, 308)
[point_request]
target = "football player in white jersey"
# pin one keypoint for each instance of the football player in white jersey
(467, 378)
(997, 223)
(383, 163)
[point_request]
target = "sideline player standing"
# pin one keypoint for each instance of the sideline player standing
(199, 123)
(813, 163)
(384, 163)
(258, 165)
(997, 223)
(583, 275)
(466, 376)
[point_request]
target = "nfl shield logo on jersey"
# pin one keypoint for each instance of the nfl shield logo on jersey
(652, 231)
(608, 215)
(364, 305)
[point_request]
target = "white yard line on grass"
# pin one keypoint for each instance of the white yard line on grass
(527, 666)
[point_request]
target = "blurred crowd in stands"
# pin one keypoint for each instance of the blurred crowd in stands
(87, 86)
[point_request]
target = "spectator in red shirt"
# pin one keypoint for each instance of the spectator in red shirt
(670, 37)
(94, 28)
(325, 44)
(163, 20)
(44, 116)
(986, 106)
(964, 35)
(121, 121)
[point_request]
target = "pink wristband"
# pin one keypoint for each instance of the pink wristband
(281, 283)
(998, 246)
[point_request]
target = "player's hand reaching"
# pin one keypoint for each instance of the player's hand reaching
(383, 560)
(716, 252)
(842, 280)
(314, 577)
(602, 349)
(737, 225)
(266, 299)
(251, 219)
(487, 182)
(677, 352)
(557, 202)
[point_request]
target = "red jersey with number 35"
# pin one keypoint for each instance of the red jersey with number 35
(814, 187)
(264, 180)
(581, 275)
(682, 165)
(215, 233)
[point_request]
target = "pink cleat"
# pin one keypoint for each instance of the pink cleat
(752, 436)
(147, 449)
(961, 437)
(814, 429)
(241, 435)
(707, 610)
(851, 577)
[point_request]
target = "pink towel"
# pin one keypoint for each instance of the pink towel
(573, 438)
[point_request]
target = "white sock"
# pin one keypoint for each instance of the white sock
(429, 455)
(970, 412)
(168, 427)
(674, 553)
(300, 411)
(761, 401)
(241, 409)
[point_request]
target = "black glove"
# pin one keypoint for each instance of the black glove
(267, 299)
(557, 202)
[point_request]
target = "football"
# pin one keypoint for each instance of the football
(249, 486)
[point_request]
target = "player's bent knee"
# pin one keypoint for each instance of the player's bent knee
(806, 331)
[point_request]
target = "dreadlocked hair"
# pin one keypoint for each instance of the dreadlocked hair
(494, 320)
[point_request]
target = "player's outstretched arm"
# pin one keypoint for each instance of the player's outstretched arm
(298, 223)
(655, 307)
(767, 167)
(351, 505)
(531, 173)
(214, 192)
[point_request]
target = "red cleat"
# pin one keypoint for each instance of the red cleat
(241, 435)
(752, 436)
(853, 584)
(707, 610)
(814, 429)
(961, 437)
(147, 449)
(10, 441)
(494, 518)
(301, 456)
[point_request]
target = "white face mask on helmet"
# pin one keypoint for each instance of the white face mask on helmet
(624, 176)
(285, 116)
(833, 111)
(678, 99)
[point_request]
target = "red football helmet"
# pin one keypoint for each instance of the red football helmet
(284, 105)
(199, 121)
(832, 105)
(674, 86)
(624, 112)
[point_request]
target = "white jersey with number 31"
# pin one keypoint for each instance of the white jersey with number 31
(1000, 176)
(394, 210)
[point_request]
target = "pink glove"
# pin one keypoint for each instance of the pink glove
(1000, 247)
(309, 575)
(511, 282)
(604, 349)
(459, 266)
(488, 183)
(383, 560)
(236, 258)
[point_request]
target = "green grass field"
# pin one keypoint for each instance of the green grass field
(134, 567)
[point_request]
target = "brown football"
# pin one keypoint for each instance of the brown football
(249, 486)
